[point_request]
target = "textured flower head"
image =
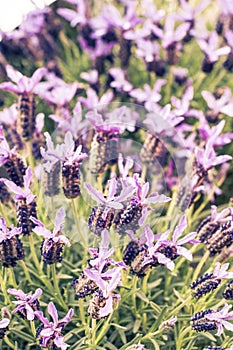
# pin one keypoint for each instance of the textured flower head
(22, 84)
(22, 194)
(7, 233)
(26, 303)
(52, 331)
(58, 227)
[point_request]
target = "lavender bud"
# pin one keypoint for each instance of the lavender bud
(26, 116)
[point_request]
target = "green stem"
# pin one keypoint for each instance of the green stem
(12, 276)
(103, 330)
(75, 212)
(3, 286)
(33, 328)
(27, 274)
(93, 330)
(56, 287)
(200, 265)
(8, 342)
(81, 311)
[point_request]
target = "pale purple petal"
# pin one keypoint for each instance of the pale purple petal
(184, 252)
(53, 312)
(96, 195)
(67, 318)
(4, 323)
(30, 312)
(107, 309)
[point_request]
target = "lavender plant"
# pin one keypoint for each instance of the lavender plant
(118, 154)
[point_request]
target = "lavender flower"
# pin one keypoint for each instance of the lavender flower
(50, 333)
(119, 82)
(212, 223)
(11, 248)
(211, 320)
(102, 215)
(101, 304)
(100, 262)
(77, 16)
(4, 323)
(214, 133)
(52, 243)
(219, 105)
(71, 160)
(147, 94)
(171, 37)
(210, 281)
(8, 117)
(137, 209)
(212, 53)
(11, 160)
(93, 101)
(27, 304)
(24, 88)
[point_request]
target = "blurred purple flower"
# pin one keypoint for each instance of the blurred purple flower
(210, 48)
(41, 230)
(75, 17)
(27, 304)
(171, 35)
(22, 194)
(147, 49)
(7, 233)
(22, 84)
(149, 95)
(120, 83)
(51, 332)
(214, 133)
(91, 77)
(188, 14)
(224, 104)
(52, 155)
(92, 100)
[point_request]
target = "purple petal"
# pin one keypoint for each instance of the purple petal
(96, 195)
(184, 252)
(67, 318)
(47, 332)
(27, 178)
(179, 228)
(59, 219)
(40, 316)
(53, 312)
(105, 241)
(30, 312)
(4, 323)
(94, 276)
(107, 309)
(8, 86)
(13, 187)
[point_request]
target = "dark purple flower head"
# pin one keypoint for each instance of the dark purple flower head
(120, 83)
(41, 230)
(22, 194)
(22, 84)
(224, 104)
(210, 48)
(7, 233)
(52, 331)
(26, 302)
